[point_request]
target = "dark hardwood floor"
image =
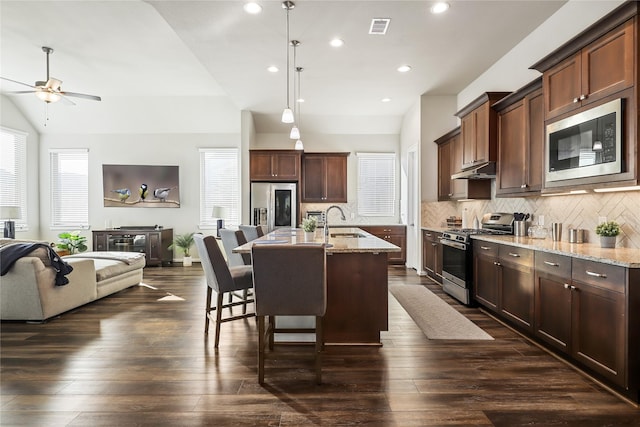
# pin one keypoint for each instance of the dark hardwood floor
(140, 358)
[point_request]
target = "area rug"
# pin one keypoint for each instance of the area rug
(437, 319)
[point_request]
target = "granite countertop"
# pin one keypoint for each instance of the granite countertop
(625, 257)
(338, 244)
(436, 229)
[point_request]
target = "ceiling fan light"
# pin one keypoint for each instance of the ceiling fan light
(299, 145)
(47, 96)
(287, 116)
(295, 133)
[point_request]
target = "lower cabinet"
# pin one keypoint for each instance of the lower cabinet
(394, 234)
(503, 281)
(585, 310)
(432, 254)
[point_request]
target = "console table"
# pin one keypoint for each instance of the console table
(153, 242)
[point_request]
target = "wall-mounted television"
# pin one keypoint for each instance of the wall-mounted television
(140, 186)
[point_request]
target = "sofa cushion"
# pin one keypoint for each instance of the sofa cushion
(111, 264)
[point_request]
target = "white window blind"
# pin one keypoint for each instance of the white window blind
(376, 184)
(69, 188)
(219, 186)
(13, 173)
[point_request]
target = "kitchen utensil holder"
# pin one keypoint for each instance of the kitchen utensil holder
(520, 228)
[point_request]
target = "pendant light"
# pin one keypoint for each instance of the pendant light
(295, 132)
(287, 114)
(298, 145)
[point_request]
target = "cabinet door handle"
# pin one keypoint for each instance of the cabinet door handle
(576, 99)
(573, 288)
(434, 244)
(524, 186)
(591, 273)
(428, 234)
(485, 248)
(496, 263)
(552, 264)
(450, 194)
(567, 286)
(583, 97)
(514, 255)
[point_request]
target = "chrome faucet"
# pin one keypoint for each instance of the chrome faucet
(326, 220)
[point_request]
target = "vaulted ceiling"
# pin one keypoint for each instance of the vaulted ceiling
(179, 65)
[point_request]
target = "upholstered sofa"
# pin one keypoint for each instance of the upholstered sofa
(28, 290)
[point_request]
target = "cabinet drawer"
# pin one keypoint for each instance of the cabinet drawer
(385, 229)
(605, 276)
(485, 248)
(558, 265)
(431, 236)
(516, 255)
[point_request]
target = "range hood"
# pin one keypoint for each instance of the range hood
(482, 171)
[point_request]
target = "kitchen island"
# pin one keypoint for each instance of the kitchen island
(357, 282)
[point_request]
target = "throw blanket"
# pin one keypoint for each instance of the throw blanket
(126, 257)
(11, 253)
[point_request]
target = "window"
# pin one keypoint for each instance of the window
(13, 173)
(69, 188)
(219, 186)
(376, 184)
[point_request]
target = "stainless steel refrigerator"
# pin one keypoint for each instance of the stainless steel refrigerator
(274, 205)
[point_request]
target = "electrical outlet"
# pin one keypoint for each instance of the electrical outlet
(602, 219)
(540, 219)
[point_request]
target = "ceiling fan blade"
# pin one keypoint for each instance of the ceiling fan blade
(22, 91)
(66, 100)
(15, 81)
(81, 95)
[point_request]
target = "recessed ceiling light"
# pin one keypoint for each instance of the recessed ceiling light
(404, 68)
(386, 100)
(252, 8)
(439, 7)
(337, 42)
(272, 69)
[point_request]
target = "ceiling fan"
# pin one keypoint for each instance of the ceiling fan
(49, 91)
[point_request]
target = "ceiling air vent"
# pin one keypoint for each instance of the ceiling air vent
(379, 26)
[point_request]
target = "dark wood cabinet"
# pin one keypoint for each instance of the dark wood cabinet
(394, 234)
(432, 254)
(479, 130)
(274, 165)
(521, 137)
(450, 162)
(516, 285)
(552, 322)
(485, 274)
(600, 69)
(154, 243)
(324, 177)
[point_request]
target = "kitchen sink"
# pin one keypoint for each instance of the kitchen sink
(348, 235)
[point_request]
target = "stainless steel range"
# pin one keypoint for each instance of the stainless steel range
(457, 255)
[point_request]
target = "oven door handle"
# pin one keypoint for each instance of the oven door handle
(456, 245)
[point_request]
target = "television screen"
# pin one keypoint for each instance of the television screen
(140, 186)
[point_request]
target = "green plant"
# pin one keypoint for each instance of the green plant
(609, 228)
(309, 224)
(184, 242)
(72, 241)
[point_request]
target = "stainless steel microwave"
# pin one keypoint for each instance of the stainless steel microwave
(585, 145)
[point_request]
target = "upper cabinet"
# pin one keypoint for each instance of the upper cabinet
(274, 165)
(602, 68)
(324, 178)
(480, 130)
(521, 142)
(450, 162)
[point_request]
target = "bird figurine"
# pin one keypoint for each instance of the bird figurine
(162, 193)
(143, 191)
(123, 193)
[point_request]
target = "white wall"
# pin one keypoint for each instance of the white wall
(12, 118)
(144, 149)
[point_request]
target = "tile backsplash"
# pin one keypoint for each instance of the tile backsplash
(575, 211)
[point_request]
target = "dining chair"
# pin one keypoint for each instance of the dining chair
(222, 279)
(289, 280)
(251, 232)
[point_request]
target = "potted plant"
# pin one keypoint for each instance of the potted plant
(309, 226)
(608, 231)
(184, 242)
(71, 242)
